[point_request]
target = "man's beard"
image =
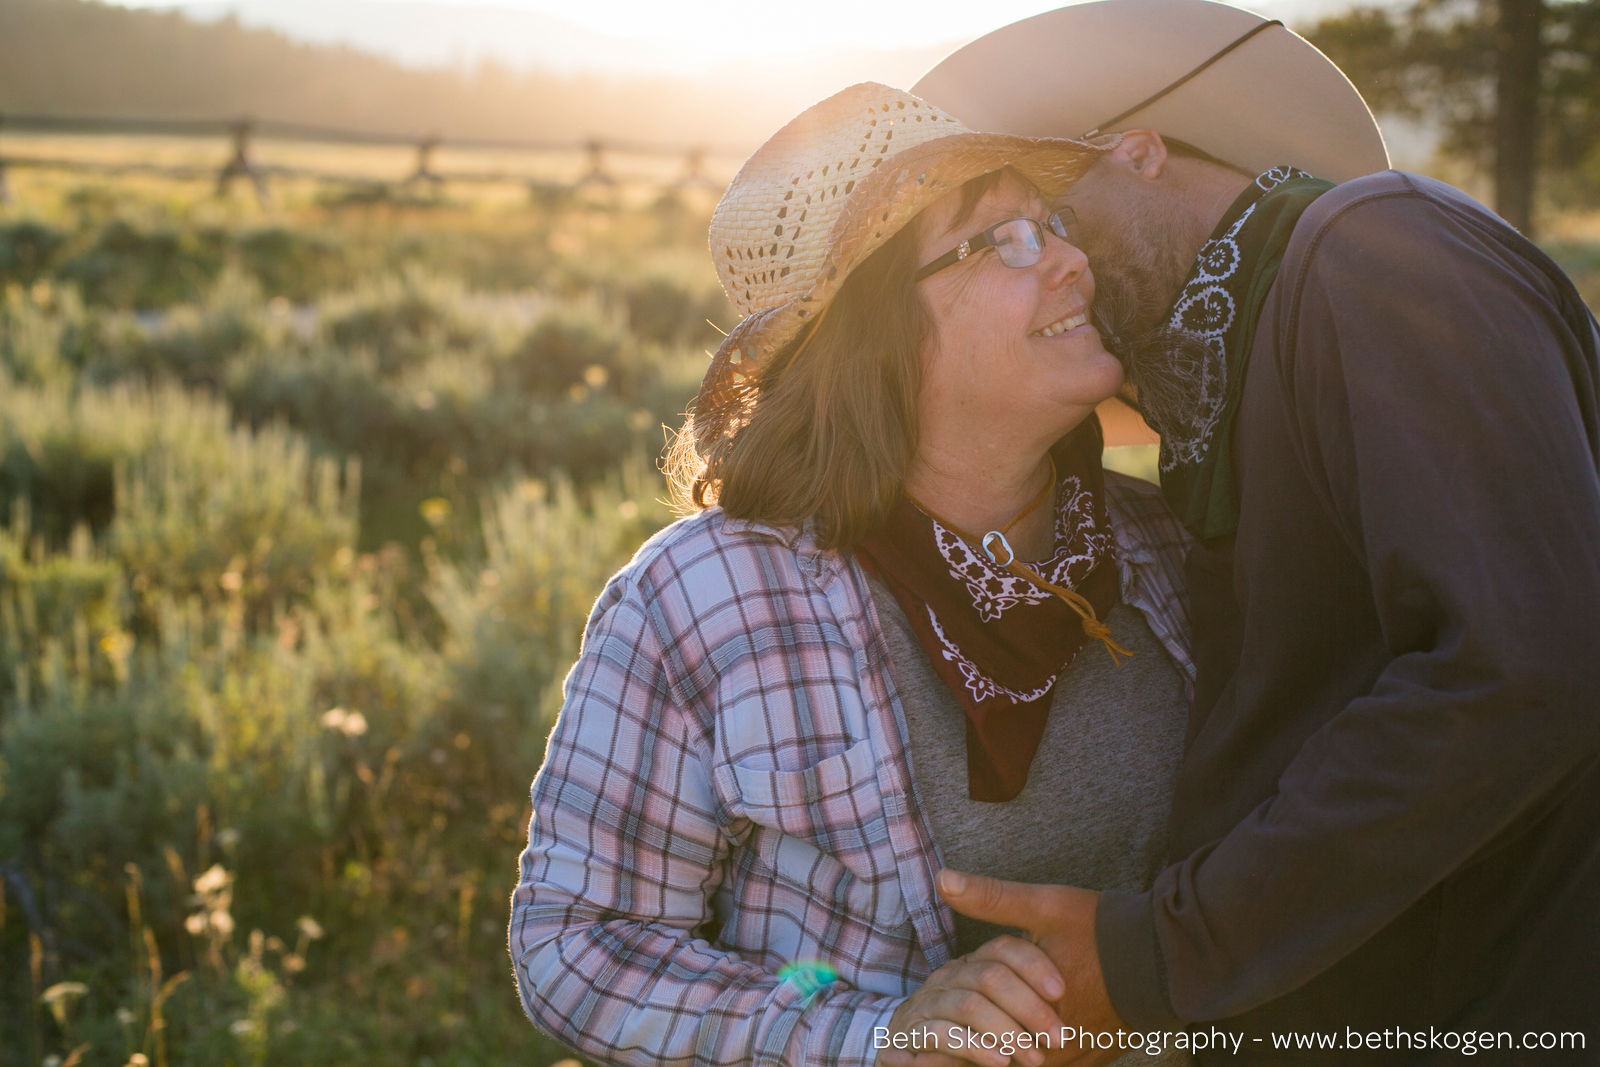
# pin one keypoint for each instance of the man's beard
(1166, 365)
(1132, 312)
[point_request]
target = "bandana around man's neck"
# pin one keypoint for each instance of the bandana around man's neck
(1221, 302)
(996, 640)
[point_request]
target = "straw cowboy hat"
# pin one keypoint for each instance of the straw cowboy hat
(822, 195)
(1238, 86)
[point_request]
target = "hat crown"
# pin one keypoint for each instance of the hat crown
(772, 231)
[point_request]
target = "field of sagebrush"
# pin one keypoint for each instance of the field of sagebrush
(301, 513)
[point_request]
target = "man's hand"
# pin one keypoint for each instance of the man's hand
(1061, 921)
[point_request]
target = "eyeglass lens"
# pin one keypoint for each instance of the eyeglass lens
(1020, 241)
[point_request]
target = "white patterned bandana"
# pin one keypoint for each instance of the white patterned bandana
(997, 641)
(1221, 303)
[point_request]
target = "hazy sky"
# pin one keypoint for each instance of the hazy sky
(711, 31)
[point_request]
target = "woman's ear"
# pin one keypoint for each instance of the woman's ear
(1142, 153)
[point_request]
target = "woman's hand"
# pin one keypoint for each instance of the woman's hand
(1003, 988)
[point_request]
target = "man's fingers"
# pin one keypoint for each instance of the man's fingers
(1016, 904)
(1029, 961)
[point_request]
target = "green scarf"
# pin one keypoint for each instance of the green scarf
(1221, 303)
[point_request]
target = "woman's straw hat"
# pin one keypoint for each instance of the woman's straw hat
(824, 194)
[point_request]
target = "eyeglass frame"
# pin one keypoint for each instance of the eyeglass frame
(1053, 223)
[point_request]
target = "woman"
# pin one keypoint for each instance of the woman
(839, 675)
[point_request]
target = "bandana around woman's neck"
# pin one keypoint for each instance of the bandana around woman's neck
(1221, 302)
(997, 640)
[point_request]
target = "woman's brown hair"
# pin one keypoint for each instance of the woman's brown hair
(834, 426)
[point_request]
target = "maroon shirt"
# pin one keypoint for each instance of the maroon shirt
(1389, 810)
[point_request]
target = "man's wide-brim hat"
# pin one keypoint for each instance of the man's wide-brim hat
(822, 195)
(1239, 87)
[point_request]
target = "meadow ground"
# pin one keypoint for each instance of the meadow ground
(301, 511)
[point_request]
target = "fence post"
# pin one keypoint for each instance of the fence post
(240, 165)
(596, 174)
(694, 163)
(5, 190)
(424, 171)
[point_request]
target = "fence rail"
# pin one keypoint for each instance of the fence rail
(244, 133)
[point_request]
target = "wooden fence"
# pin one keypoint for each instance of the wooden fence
(243, 135)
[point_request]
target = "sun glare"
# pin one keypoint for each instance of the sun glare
(701, 34)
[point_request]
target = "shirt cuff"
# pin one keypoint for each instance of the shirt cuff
(1130, 960)
(849, 1041)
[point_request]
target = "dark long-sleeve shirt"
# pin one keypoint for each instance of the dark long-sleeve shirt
(1389, 811)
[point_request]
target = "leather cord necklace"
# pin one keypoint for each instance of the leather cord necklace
(989, 542)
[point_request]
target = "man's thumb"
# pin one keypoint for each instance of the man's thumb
(989, 899)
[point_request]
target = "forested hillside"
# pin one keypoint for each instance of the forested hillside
(74, 57)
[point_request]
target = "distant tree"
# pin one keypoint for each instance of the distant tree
(1513, 84)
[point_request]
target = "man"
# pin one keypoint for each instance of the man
(1378, 407)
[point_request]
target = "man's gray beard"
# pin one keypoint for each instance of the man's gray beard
(1166, 365)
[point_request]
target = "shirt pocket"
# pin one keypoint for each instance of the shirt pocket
(823, 831)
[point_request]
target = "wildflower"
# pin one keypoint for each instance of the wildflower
(435, 510)
(213, 881)
(349, 723)
(309, 926)
(60, 997)
(240, 1027)
(64, 991)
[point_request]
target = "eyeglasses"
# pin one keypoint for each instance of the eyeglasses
(1019, 242)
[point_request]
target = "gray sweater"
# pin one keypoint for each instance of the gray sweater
(1094, 811)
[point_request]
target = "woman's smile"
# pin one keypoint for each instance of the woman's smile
(1067, 324)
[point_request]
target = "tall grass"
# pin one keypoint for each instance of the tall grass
(227, 727)
(286, 592)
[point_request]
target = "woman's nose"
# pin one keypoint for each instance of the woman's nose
(1064, 262)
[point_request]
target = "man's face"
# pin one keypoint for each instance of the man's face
(1139, 240)
(1132, 233)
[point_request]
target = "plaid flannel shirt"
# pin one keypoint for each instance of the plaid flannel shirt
(727, 791)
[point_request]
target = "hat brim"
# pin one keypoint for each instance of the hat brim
(879, 206)
(1273, 100)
